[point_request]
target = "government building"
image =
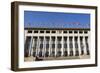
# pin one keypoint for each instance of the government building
(56, 43)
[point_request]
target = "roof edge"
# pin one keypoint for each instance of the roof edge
(57, 28)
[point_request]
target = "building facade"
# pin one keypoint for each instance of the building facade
(54, 42)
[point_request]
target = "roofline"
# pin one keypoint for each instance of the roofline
(57, 28)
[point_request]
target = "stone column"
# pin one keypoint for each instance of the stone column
(30, 46)
(79, 47)
(25, 35)
(44, 48)
(50, 46)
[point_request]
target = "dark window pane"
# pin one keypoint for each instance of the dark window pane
(70, 31)
(71, 46)
(53, 53)
(75, 31)
(64, 31)
(85, 31)
(47, 54)
(77, 53)
(65, 38)
(29, 31)
(41, 46)
(80, 31)
(59, 53)
(82, 52)
(41, 31)
(35, 31)
(65, 53)
(47, 31)
(59, 46)
(53, 31)
(40, 54)
(71, 53)
(76, 45)
(47, 46)
(53, 45)
(34, 54)
(81, 38)
(65, 45)
(35, 42)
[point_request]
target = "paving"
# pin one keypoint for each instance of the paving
(29, 59)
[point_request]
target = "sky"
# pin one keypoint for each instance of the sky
(40, 19)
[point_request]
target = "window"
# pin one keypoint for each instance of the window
(85, 31)
(65, 46)
(80, 31)
(53, 31)
(53, 42)
(76, 43)
(70, 31)
(41, 31)
(75, 31)
(59, 53)
(35, 42)
(30, 31)
(46, 54)
(76, 47)
(41, 42)
(59, 42)
(64, 31)
(47, 43)
(71, 46)
(47, 31)
(53, 53)
(65, 53)
(70, 43)
(36, 31)
(40, 54)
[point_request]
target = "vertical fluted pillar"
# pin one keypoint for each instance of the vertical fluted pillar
(50, 46)
(30, 46)
(79, 47)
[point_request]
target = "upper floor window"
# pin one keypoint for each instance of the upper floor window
(36, 31)
(29, 31)
(47, 31)
(75, 31)
(41, 31)
(70, 31)
(53, 31)
(85, 31)
(80, 31)
(64, 31)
